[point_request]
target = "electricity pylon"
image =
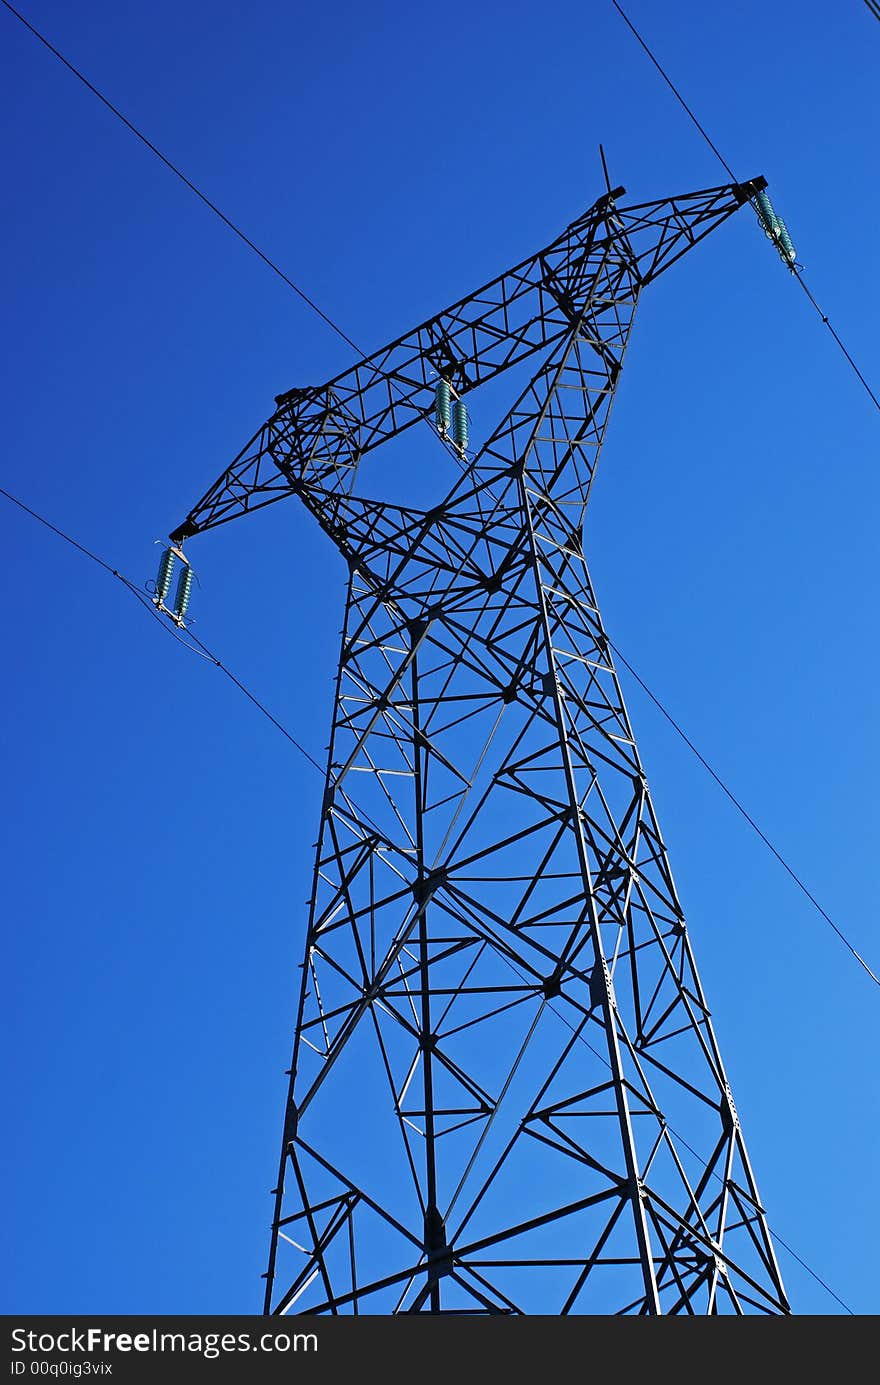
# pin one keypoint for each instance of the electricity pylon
(506, 1092)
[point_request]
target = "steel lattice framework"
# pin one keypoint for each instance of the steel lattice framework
(506, 1092)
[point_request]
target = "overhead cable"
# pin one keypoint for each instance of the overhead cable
(795, 269)
(178, 173)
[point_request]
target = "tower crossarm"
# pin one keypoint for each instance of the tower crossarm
(317, 435)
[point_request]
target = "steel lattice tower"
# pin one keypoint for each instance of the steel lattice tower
(506, 1092)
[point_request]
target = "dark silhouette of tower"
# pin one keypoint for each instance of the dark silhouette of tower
(506, 1092)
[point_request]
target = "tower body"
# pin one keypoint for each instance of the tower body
(506, 1092)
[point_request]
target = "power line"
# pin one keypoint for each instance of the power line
(256, 701)
(81, 548)
(178, 173)
(818, 1278)
(798, 274)
(800, 278)
(202, 650)
(672, 87)
(745, 813)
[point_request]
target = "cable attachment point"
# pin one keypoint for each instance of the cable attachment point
(176, 612)
(774, 229)
(451, 417)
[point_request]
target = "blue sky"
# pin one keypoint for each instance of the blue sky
(158, 842)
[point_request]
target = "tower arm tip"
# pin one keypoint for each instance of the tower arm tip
(744, 192)
(186, 530)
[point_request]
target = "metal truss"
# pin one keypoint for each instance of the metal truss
(506, 1092)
